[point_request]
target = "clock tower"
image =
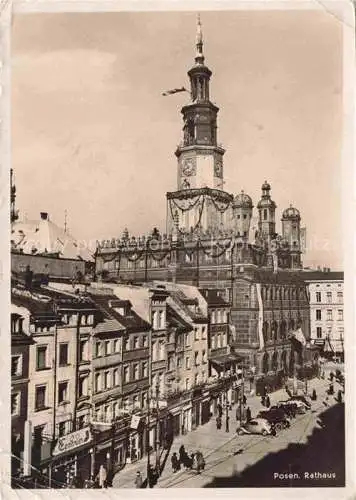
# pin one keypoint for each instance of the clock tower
(200, 172)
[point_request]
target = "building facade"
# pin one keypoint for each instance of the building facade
(326, 296)
(20, 347)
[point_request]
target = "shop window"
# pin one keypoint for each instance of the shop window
(41, 361)
(62, 392)
(63, 354)
(40, 397)
(16, 366)
(15, 403)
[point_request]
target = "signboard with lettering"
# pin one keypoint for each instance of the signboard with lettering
(71, 441)
(135, 421)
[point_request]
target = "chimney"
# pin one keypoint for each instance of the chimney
(44, 215)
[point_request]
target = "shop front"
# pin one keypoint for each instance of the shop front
(72, 458)
(136, 439)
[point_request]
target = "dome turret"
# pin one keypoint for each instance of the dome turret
(291, 213)
(242, 200)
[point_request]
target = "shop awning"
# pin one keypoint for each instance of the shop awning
(332, 345)
(226, 359)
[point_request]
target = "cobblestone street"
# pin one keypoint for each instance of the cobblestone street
(219, 447)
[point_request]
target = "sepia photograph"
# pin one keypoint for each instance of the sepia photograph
(178, 248)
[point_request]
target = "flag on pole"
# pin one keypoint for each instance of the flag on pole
(298, 335)
(174, 91)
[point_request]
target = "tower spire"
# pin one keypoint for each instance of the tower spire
(199, 57)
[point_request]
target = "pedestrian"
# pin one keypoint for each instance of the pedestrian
(218, 422)
(314, 396)
(138, 480)
(268, 402)
(181, 454)
(244, 399)
(263, 400)
(227, 423)
(175, 462)
(101, 477)
(331, 389)
(248, 414)
(219, 408)
(331, 376)
(339, 396)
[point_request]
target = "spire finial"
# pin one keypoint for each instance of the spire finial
(199, 58)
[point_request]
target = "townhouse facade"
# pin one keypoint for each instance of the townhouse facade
(20, 347)
(326, 298)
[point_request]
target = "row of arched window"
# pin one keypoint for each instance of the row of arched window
(282, 293)
(275, 330)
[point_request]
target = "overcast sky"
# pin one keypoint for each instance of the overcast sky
(93, 135)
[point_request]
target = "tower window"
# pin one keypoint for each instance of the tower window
(265, 214)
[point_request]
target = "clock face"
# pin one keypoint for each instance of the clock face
(188, 167)
(218, 169)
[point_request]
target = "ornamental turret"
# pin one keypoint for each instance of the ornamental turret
(200, 159)
(291, 234)
(266, 211)
(242, 213)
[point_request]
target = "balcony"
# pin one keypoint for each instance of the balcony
(219, 351)
(135, 354)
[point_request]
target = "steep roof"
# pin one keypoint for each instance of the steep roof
(130, 321)
(42, 236)
(213, 298)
